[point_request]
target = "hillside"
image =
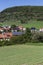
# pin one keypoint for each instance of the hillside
(22, 14)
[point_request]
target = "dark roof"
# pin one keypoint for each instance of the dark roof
(33, 28)
(15, 28)
(18, 33)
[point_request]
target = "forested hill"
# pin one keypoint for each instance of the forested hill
(22, 13)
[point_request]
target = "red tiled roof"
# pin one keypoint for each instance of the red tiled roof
(6, 28)
(3, 36)
(1, 28)
(6, 35)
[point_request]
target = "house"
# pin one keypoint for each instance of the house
(18, 33)
(7, 27)
(24, 29)
(8, 34)
(20, 28)
(1, 28)
(33, 29)
(41, 29)
(2, 37)
(5, 36)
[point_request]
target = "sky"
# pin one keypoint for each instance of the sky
(10, 3)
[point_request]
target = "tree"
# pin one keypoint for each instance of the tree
(13, 26)
(27, 35)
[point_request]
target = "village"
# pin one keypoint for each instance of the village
(6, 32)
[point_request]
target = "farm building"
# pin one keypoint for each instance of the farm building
(18, 33)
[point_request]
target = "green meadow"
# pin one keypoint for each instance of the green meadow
(37, 24)
(21, 55)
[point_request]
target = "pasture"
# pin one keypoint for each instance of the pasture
(21, 55)
(37, 24)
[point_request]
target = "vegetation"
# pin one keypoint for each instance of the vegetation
(37, 24)
(27, 16)
(22, 14)
(21, 54)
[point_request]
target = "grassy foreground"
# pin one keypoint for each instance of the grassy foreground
(21, 55)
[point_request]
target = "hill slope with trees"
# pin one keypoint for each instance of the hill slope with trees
(22, 14)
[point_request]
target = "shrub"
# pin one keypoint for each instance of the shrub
(17, 39)
(28, 34)
(40, 37)
(2, 43)
(37, 37)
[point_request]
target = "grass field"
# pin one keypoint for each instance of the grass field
(21, 55)
(37, 24)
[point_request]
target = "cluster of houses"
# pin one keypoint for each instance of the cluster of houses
(6, 32)
(35, 29)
